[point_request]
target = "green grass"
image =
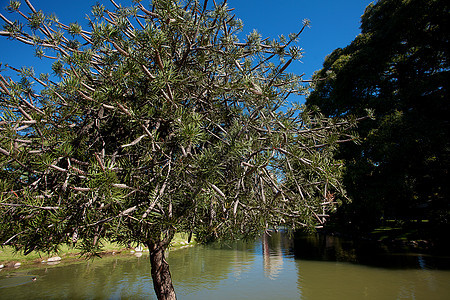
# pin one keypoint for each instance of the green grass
(398, 232)
(9, 256)
(180, 240)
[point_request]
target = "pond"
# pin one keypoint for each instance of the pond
(272, 267)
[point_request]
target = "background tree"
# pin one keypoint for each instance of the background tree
(157, 120)
(399, 67)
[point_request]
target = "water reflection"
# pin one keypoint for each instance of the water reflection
(348, 281)
(276, 247)
(333, 268)
(263, 269)
(364, 252)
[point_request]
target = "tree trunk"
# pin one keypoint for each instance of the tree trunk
(162, 280)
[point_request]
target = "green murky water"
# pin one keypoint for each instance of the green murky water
(264, 269)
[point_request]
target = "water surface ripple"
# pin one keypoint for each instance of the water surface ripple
(262, 269)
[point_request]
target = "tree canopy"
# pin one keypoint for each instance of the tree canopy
(158, 119)
(399, 68)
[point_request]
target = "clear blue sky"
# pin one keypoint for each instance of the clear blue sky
(334, 24)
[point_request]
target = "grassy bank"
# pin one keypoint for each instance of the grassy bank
(9, 257)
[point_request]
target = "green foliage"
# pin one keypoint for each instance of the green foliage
(398, 68)
(158, 120)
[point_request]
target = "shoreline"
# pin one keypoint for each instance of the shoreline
(70, 255)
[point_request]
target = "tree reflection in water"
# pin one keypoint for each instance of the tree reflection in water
(263, 269)
(276, 247)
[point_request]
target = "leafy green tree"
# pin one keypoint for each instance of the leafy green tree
(157, 120)
(398, 67)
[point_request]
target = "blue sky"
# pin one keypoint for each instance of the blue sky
(334, 24)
